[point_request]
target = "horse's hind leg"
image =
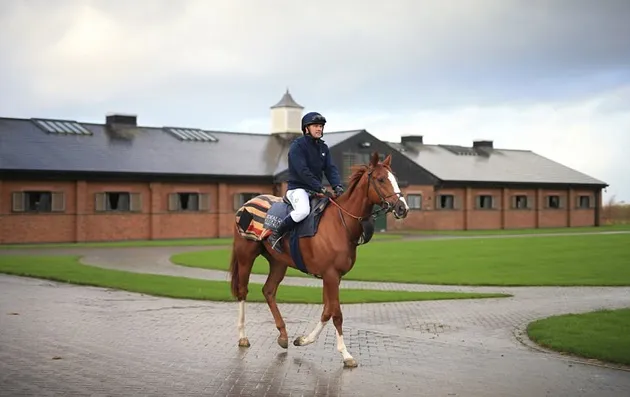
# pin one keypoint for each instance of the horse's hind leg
(244, 252)
(277, 271)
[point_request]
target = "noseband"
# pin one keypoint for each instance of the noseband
(385, 205)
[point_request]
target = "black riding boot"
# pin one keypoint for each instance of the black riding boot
(287, 224)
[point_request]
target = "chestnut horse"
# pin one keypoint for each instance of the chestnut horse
(329, 254)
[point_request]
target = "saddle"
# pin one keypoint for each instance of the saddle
(307, 227)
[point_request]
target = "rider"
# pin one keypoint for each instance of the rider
(309, 158)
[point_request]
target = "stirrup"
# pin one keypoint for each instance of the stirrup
(275, 243)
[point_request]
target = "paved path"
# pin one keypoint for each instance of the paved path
(117, 343)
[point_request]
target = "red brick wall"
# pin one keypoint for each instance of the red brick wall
(171, 224)
(105, 226)
(520, 218)
(503, 215)
(583, 216)
(25, 227)
(482, 218)
(552, 217)
(80, 222)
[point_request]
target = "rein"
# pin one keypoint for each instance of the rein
(373, 215)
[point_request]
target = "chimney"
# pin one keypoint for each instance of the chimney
(406, 139)
(486, 144)
(113, 119)
(121, 126)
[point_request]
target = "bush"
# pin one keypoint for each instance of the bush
(614, 213)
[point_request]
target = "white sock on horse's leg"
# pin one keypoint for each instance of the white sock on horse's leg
(341, 347)
(241, 319)
(312, 337)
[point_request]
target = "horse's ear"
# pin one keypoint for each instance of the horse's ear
(387, 161)
(374, 159)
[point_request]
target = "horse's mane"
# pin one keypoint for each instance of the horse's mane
(358, 174)
(356, 177)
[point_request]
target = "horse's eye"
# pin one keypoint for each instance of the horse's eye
(381, 180)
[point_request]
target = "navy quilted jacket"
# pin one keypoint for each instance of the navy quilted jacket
(309, 159)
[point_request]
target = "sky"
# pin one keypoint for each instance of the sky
(548, 76)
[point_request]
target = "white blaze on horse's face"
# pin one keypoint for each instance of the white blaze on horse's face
(392, 180)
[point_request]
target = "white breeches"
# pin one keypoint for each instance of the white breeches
(300, 202)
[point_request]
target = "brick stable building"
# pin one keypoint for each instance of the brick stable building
(67, 181)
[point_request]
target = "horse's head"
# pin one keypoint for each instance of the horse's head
(383, 187)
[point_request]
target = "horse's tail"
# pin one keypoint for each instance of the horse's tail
(234, 268)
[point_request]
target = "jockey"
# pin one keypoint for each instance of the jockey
(309, 158)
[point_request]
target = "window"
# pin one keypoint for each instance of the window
(348, 161)
(584, 202)
(38, 201)
(414, 201)
(520, 201)
(242, 198)
(553, 201)
(118, 202)
(185, 201)
(485, 202)
(446, 201)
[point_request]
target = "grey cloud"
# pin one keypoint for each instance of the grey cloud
(340, 54)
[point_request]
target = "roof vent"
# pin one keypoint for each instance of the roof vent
(483, 144)
(406, 139)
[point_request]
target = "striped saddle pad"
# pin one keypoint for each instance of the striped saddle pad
(250, 217)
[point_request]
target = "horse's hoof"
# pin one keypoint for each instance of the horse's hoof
(299, 341)
(283, 342)
(243, 342)
(350, 363)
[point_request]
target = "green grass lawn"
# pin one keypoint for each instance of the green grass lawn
(158, 243)
(602, 335)
(535, 260)
(114, 244)
(391, 235)
(492, 232)
(68, 269)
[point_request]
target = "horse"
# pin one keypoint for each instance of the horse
(323, 245)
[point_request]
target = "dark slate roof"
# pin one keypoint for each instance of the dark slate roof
(287, 101)
(25, 146)
(462, 163)
(90, 148)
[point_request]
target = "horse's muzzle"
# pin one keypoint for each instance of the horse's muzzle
(400, 210)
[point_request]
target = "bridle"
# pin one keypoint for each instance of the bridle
(367, 223)
(385, 206)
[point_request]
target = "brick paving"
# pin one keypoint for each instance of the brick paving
(119, 343)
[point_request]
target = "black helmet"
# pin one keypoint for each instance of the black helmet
(312, 118)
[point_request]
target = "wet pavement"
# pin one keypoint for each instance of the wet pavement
(58, 339)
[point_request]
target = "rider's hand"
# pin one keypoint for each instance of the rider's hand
(325, 192)
(338, 190)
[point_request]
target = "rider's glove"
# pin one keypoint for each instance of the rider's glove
(325, 192)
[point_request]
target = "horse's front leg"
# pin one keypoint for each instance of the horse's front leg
(335, 306)
(312, 337)
(332, 290)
